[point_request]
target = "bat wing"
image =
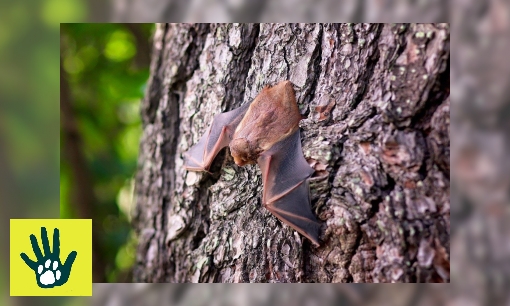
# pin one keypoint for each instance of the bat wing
(200, 156)
(286, 194)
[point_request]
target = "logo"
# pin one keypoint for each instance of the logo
(62, 268)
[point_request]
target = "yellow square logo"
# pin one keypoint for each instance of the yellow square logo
(51, 257)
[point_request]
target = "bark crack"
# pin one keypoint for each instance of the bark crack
(368, 73)
(153, 91)
(317, 69)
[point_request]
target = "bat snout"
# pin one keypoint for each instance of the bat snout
(240, 161)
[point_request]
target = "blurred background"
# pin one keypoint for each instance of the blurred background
(31, 164)
(104, 69)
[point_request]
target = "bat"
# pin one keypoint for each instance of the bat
(266, 132)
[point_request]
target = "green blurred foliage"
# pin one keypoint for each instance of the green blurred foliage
(29, 100)
(29, 113)
(106, 83)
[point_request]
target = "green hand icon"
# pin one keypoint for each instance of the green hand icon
(49, 271)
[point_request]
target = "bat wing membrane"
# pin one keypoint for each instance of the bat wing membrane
(286, 194)
(218, 135)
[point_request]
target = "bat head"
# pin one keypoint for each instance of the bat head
(244, 152)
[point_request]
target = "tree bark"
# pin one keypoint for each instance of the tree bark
(376, 104)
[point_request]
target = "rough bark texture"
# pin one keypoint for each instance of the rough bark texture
(376, 102)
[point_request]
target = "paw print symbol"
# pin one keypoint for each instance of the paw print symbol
(49, 271)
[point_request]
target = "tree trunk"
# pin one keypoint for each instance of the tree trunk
(376, 102)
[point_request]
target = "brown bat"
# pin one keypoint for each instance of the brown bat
(266, 131)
